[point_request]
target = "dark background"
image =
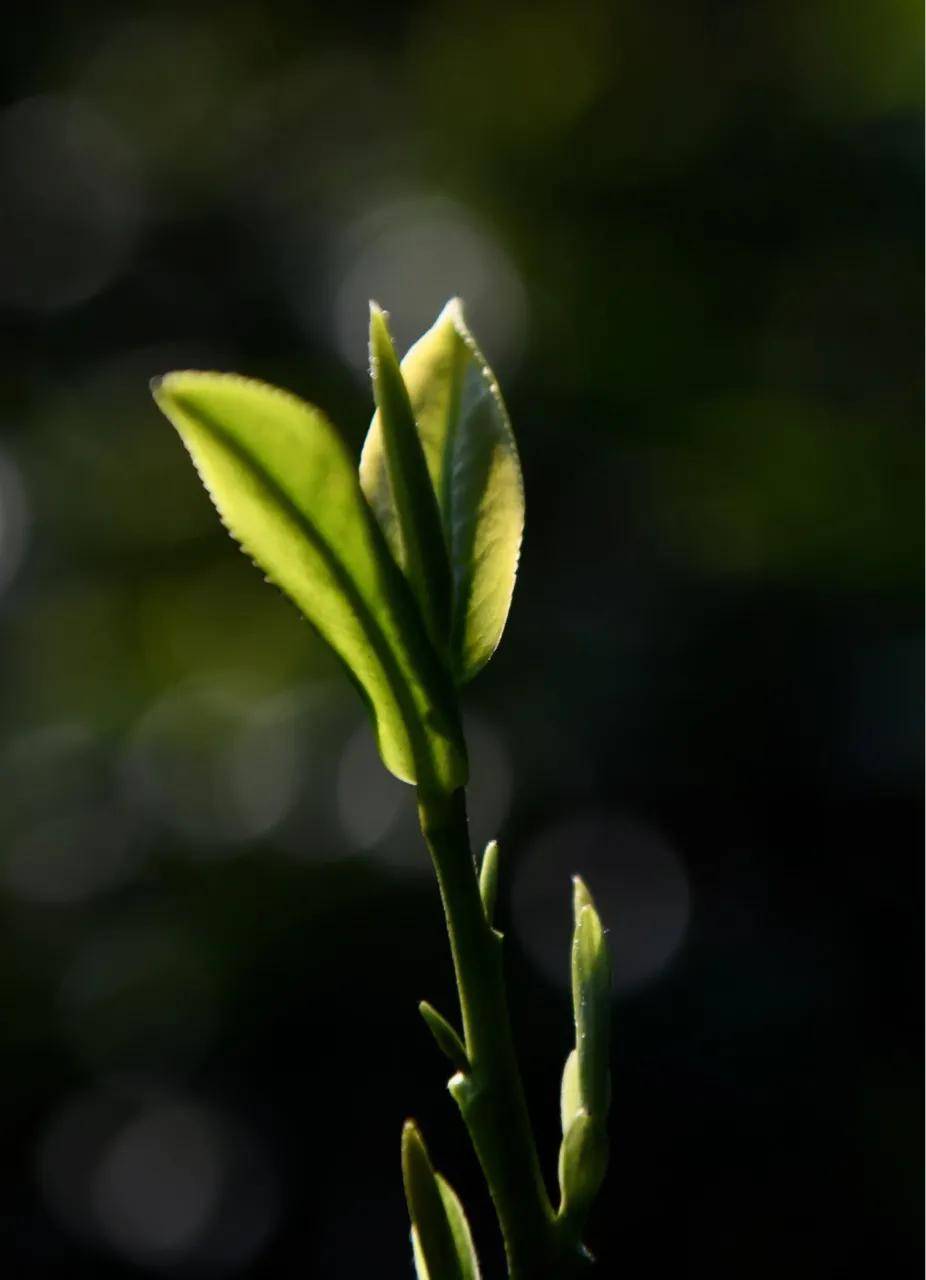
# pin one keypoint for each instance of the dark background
(689, 237)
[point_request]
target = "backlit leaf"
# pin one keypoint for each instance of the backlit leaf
(418, 522)
(583, 1162)
(591, 996)
(286, 489)
(570, 1098)
(473, 463)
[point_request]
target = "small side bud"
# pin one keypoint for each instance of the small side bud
(570, 1098)
(447, 1039)
(591, 996)
(488, 879)
(583, 1162)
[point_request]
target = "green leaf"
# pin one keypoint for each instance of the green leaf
(591, 996)
(418, 523)
(447, 1039)
(459, 1227)
(570, 1098)
(473, 463)
(433, 1239)
(583, 1162)
(488, 879)
(286, 489)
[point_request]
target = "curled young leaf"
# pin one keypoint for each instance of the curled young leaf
(286, 489)
(591, 996)
(473, 463)
(570, 1097)
(583, 1162)
(447, 1040)
(418, 522)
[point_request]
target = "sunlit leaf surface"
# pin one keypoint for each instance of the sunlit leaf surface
(474, 467)
(287, 490)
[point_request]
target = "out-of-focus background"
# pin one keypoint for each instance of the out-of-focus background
(688, 235)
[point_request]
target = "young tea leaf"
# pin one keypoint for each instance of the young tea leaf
(285, 488)
(583, 1162)
(591, 996)
(570, 1097)
(418, 523)
(473, 463)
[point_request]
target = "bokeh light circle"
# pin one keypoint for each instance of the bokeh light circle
(160, 1180)
(637, 879)
(72, 203)
(413, 254)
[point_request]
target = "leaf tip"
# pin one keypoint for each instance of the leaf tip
(410, 1132)
(415, 1159)
(581, 897)
(453, 311)
(379, 325)
(381, 348)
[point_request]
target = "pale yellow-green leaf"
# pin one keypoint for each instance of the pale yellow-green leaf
(473, 463)
(570, 1097)
(419, 522)
(591, 996)
(583, 1162)
(287, 490)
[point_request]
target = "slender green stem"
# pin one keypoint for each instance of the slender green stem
(490, 1095)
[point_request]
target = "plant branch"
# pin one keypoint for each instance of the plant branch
(490, 1096)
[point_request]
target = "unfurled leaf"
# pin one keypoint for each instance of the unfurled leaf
(583, 1162)
(448, 1041)
(591, 996)
(488, 879)
(418, 522)
(473, 463)
(285, 487)
(570, 1098)
(433, 1238)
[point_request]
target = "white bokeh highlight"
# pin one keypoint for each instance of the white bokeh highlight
(72, 203)
(639, 884)
(411, 255)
